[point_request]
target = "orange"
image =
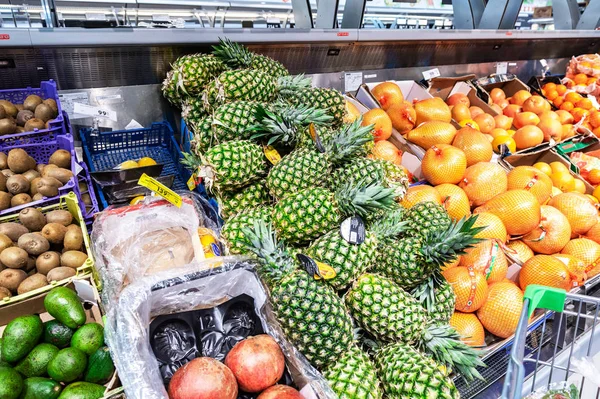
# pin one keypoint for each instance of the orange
(468, 326)
(596, 131)
(506, 140)
(573, 97)
(563, 181)
(587, 250)
(558, 166)
(403, 116)
(519, 210)
(486, 122)
(594, 119)
(483, 181)
(544, 167)
(501, 312)
(575, 266)
(503, 122)
(591, 81)
(386, 150)
(596, 193)
(382, 124)
(519, 251)
(387, 93)
(497, 95)
(475, 145)
(594, 176)
(421, 193)
(567, 106)
(487, 258)
(551, 95)
(545, 270)
(520, 97)
(579, 186)
(561, 89)
(443, 163)
(455, 200)
(551, 235)
(580, 212)
(558, 101)
(475, 111)
(549, 86)
(531, 179)
(585, 103)
(494, 228)
(470, 288)
(580, 78)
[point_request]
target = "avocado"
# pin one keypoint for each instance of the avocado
(68, 365)
(20, 337)
(100, 367)
(82, 390)
(65, 306)
(58, 334)
(36, 362)
(11, 384)
(88, 338)
(40, 388)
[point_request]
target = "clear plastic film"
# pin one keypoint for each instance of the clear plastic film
(164, 320)
(147, 238)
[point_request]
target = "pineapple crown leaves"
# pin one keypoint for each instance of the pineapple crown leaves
(348, 142)
(191, 160)
(361, 198)
(390, 225)
(444, 343)
(444, 246)
(425, 292)
(233, 54)
(289, 85)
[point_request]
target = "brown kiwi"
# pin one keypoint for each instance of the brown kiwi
(5, 242)
(14, 257)
(61, 158)
(37, 197)
(72, 259)
(32, 283)
(20, 199)
(46, 187)
(32, 218)
(2, 182)
(54, 232)
(34, 123)
(31, 174)
(19, 107)
(60, 273)
(30, 264)
(11, 278)
(3, 160)
(17, 184)
(61, 174)
(47, 261)
(85, 197)
(19, 161)
(33, 186)
(7, 173)
(52, 104)
(44, 112)
(13, 230)
(5, 200)
(33, 243)
(20, 129)
(7, 126)
(23, 117)
(31, 102)
(4, 292)
(59, 216)
(73, 238)
(40, 168)
(3, 113)
(10, 109)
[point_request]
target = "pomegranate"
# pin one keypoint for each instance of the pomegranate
(257, 363)
(280, 392)
(203, 378)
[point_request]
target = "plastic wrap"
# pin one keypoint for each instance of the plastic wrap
(162, 321)
(154, 235)
(556, 390)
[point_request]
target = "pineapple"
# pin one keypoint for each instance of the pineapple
(311, 314)
(327, 99)
(437, 297)
(232, 233)
(249, 197)
(237, 56)
(203, 137)
(426, 217)
(169, 90)
(192, 72)
(303, 216)
(193, 110)
(411, 261)
(353, 376)
(229, 166)
(245, 84)
(392, 315)
(407, 373)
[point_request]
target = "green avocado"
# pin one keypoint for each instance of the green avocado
(88, 338)
(82, 390)
(68, 365)
(58, 334)
(40, 388)
(65, 306)
(11, 383)
(36, 362)
(100, 367)
(20, 337)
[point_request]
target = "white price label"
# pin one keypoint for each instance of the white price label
(501, 68)
(352, 81)
(544, 63)
(430, 74)
(95, 16)
(98, 112)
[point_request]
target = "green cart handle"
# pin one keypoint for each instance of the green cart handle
(544, 297)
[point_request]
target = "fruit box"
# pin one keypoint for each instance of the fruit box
(445, 87)
(583, 143)
(68, 202)
(35, 305)
(508, 83)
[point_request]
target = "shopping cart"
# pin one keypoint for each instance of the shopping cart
(572, 333)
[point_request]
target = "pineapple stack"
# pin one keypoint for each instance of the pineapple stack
(290, 177)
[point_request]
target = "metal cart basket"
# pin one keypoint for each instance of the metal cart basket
(572, 333)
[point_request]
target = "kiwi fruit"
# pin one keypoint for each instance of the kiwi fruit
(61, 158)
(61, 174)
(5, 242)
(7, 173)
(32, 283)
(52, 104)
(3, 160)
(19, 107)
(72, 259)
(59, 216)
(34, 123)
(4, 292)
(14, 257)
(73, 239)
(7, 126)
(19, 161)
(32, 102)
(20, 199)
(2, 182)
(37, 197)
(32, 218)
(20, 129)
(47, 261)
(11, 278)
(54, 232)
(33, 186)
(5, 200)
(23, 117)
(3, 113)
(47, 187)
(31, 174)
(30, 264)
(13, 230)
(44, 112)
(33, 243)
(85, 197)
(60, 273)
(40, 168)
(10, 109)
(17, 184)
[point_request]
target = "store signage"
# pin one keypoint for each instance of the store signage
(343, 33)
(4, 36)
(92, 111)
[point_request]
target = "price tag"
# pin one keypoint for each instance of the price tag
(501, 68)
(272, 155)
(430, 74)
(98, 112)
(353, 230)
(160, 189)
(352, 81)
(192, 182)
(544, 63)
(318, 270)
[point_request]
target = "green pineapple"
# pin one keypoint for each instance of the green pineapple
(236, 56)
(426, 217)
(410, 261)
(169, 90)
(311, 314)
(437, 297)
(244, 85)
(303, 216)
(249, 197)
(193, 110)
(373, 170)
(202, 138)
(192, 72)
(407, 373)
(327, 99)
(353, 376)
(229, 166)
(232, 231)
(392, 315)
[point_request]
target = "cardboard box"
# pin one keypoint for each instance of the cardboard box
(583, 143)
(445, 87)
(542, 12)
(510, 86)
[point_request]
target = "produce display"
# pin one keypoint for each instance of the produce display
(34, 114)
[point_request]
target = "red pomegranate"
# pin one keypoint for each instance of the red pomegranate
(280, 392)
(203, 378)
(257, 363)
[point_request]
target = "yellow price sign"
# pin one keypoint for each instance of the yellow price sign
(160, 189)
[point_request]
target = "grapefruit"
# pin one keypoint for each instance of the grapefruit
(387, 93)
(475, 111)
(580, 212)
(528, 136)
(586, 250)
(494, 228)
(594, 233)
(382, 129)
(565, 117)
(497, 95)
(530, 179)
(520, 97)
(503, 122)
(545, 270)
(485, 122)
(460, 112)
(458, 99)
(386, 150)
(487, 258)
(519, 251)
(476, 147)
(443, 163)
(501, 312)
(512, 111)
(455, 200)
(551, 128)
(536, 104)
(421, 193)
(403, 116)
(483, 181)
(431, 133)
(470, 288)
(526, 119)
(519, 210)
(468, 326)
(575, 266)
(551, 235)
(432, 109)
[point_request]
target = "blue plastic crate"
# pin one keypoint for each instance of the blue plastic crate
(186, 137)
(108, 149)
